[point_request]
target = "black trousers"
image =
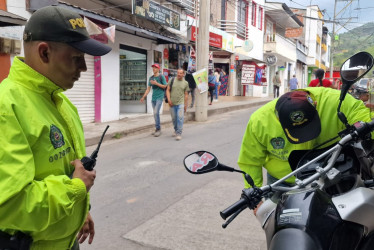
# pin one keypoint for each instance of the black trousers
(211, 92)
(276, 91)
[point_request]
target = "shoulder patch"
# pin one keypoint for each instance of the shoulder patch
(277, 143)
(56, 137)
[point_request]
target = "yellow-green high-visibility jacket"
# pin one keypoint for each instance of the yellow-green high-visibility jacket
(40, 133)
(265, 144)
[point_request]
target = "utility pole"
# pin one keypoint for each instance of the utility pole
(333, 34)
(332, 43)
(202, 57)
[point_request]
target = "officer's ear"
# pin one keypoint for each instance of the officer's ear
(44, 52)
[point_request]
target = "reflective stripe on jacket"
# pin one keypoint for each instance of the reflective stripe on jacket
(41, 133)
(265, 145)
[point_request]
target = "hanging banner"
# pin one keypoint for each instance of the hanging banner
(91, 27)
(252, 74)
(156, 13)
(191, 61)
(165, 72)
(201, 79)
(211, 65)
(110, 32)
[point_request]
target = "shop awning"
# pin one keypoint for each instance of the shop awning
(127, 27)
(10, 19)
(282, 15)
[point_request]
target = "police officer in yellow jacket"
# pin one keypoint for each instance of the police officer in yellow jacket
(298, 120)
(44, 186)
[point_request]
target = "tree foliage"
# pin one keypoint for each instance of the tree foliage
(353, 41)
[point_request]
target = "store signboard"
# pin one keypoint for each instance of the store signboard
(156, 13)
(271, 60)
(12, 32)
(228, 42)
(215, 40)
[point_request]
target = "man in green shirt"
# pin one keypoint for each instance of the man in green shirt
(298, 120)
(158, 84)
(177, 94)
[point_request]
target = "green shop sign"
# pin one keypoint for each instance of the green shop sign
(156, 13)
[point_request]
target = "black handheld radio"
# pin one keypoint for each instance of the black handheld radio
(90, 162)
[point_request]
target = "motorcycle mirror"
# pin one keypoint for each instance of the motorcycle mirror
(353, 69)
(200, 162)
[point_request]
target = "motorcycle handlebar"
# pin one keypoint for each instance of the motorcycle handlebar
(233, 208)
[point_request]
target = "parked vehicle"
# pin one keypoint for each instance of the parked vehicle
(331, 205)
(360, 90)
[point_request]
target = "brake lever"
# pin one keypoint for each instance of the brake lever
(224, 225)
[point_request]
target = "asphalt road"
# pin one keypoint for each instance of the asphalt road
(143, 198)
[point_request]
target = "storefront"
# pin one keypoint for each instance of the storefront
(86, 92)
(119, 79)
(174, 55)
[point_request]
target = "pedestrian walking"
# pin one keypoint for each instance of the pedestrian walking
(44, 187)
(191, 84)
(158, 84)
(177, 95)
(212, 82)
(276, 83)
(293, 84)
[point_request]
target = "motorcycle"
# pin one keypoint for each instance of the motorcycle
(331, 205)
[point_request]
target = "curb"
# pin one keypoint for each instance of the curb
(149, 127)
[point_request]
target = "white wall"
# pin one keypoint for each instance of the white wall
(110, 73)
(110, 84)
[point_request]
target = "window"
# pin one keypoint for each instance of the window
(260, 15)
(269, 31)
(242, 19)
(242, 7)
(254, 8)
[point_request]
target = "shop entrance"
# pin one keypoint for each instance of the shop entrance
(133, 79)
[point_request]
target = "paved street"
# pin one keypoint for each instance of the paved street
(143, 197)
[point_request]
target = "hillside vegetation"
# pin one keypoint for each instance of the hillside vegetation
(353, 41)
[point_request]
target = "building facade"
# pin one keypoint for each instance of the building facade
(249, 39)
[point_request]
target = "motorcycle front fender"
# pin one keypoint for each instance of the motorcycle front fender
(292, 239)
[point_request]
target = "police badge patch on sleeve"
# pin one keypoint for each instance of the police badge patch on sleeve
(57, 139)
(277, 143)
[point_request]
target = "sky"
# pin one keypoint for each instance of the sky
(361, 11)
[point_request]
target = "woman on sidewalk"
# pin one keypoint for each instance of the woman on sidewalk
(212, 85)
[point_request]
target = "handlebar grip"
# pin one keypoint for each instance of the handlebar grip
(233, 208)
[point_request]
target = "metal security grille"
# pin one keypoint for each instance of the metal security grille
(82, 95)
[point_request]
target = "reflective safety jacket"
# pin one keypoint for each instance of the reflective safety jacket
(265, 144)
(41, 133)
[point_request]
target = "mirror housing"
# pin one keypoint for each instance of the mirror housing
(200, 162)
(353, 69)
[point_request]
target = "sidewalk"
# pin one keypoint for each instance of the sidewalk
(140, 123)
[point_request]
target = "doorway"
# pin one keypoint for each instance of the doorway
(133, 79)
